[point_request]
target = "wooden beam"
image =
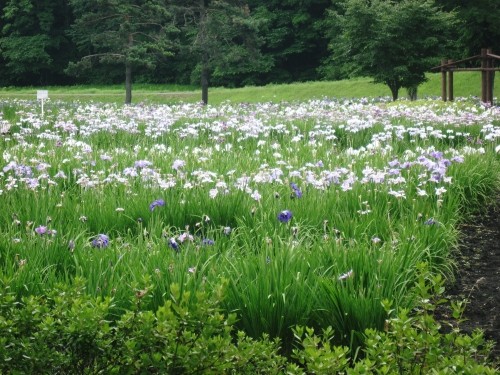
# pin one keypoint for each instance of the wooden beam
(489, 74)
(474, 69)
(444, 63)
(484, 75)
(444, 96)
(450, 82)
(493, 56)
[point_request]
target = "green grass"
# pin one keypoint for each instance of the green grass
(343, 252)
(465, 84)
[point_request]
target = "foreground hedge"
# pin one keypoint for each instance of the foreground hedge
(69, 332)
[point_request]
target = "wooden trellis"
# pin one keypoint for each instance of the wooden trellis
(487, 69)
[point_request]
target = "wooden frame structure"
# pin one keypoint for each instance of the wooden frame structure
(487, 70)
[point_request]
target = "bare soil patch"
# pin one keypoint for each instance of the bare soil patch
(478, 274)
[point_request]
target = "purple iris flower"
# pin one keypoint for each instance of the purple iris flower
(394, 163)
(296, 193)
(436, 177)
(208, 242)
(41, 230)
(431, 221)
(23, 171)
(142, 164)
(100, 241)
(156, 203)
(436, 154)
(285, 216)
(178, 164)
(446, 162)
(173, 244)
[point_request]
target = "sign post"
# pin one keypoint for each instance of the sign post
(42, 95)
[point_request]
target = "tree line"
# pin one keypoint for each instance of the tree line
(237, 42)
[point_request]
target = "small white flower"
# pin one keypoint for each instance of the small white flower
(440, 191)
(346, 275)
(421, 193)
(213, 193)
(397, 194)
(255, 195)
(178, 164)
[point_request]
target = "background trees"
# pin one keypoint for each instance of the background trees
(292, 38)
(221, 39)
(406, 38)
(236, 42)
(33, 46)
(479, 25)
(127, 32)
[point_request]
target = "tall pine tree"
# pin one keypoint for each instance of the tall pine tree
(221, 36)
(126, 32)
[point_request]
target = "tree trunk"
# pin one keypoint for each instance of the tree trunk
(128, 83)
(128, 73)
(412, 93)
(204, 57)
(204, 81)
(394, 87)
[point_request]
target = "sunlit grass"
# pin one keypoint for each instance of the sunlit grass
(465, 84)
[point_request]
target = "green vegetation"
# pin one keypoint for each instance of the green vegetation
(67, 331)
(234, 43)
(406, 39)
(331, 214)
(465, 84)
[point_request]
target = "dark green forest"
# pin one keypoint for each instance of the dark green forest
(235, 43)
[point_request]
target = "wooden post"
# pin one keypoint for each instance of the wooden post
(489, 81)
(443, 81)
(450, 81)
(484, 75)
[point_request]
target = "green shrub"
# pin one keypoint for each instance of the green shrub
(412, 342)
(70, 332)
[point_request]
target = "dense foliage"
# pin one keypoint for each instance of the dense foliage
(406, 38)
(239, 42)
(320, 213)
(69, 332)
(129, 33)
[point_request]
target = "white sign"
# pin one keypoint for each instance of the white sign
(42, 94)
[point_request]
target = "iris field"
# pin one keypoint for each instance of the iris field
(311, 213)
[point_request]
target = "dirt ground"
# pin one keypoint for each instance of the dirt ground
(478, 274)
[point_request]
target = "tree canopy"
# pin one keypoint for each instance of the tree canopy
(126, 32)
(237, 42)
(222, 37)
(394, 42)
(33, 46)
